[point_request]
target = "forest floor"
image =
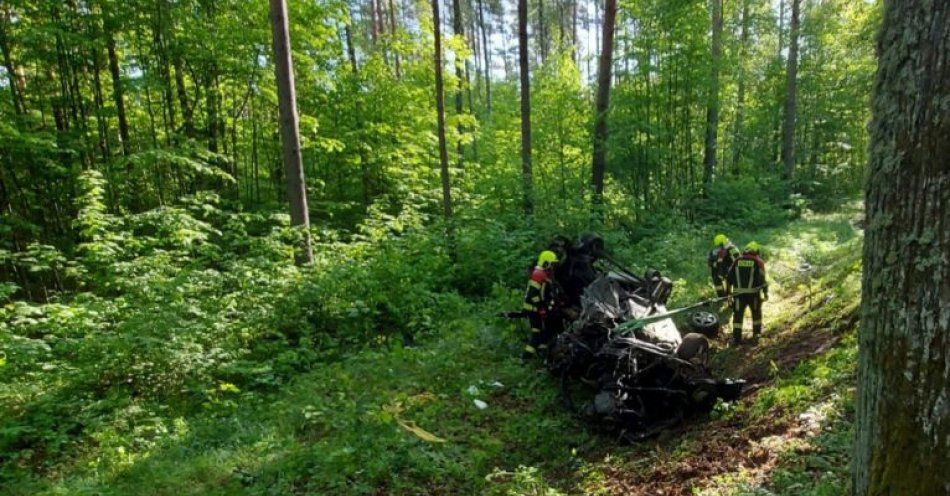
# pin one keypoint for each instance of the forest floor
(459, 414)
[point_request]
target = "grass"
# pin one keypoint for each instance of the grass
(395, 420)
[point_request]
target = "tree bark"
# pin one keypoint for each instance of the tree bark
(603, 101)
(289, 129)
(117, 94)
(392, 37)
(349, 46)
(187, 111)
(738, 139)
(902, 435)
(791, 94)
(440, 110)
(457, 29)
(486, 50)
(525, 106)
(542, 34)
(9, 66)
(712, 106)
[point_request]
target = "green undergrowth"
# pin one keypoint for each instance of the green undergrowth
(191, 357)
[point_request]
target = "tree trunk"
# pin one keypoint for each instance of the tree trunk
(457, 29)
(525, 106)
(392, 37)
(791, 93)
(9, 66)
(440, 109)
(289, 129)
(97, 97)
(603, 101)
(349, 47)
(542, 35)
(574, 53)
(738, 139)
(712, 107)
(486, 50)
(374, 26)
(902, 437)
(117, 94)
(187, 111)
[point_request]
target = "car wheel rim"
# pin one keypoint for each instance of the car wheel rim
(704, 319)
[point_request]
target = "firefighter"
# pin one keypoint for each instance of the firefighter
(748, 287)
(538, 302)
(720, 260)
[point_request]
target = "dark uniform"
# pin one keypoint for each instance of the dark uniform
(538, 302)
(746, 282)
(720, 260)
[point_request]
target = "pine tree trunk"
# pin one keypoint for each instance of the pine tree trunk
(603, 101)
(712, 107)
(525, 76)
(289, 129)
(791, 94)
(440, 110)
(902, 440)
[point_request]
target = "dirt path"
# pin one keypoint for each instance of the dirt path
(745, 442)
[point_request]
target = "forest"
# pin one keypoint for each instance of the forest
(261, 247)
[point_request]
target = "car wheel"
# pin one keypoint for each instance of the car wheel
(705, 323)
(694, 348)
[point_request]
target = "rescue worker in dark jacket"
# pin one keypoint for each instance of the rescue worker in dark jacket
(720, 260)
(538, 303)
(747, 285)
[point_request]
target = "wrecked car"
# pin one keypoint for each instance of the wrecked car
(622, 360)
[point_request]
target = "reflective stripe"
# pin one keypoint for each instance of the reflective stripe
(535, 330)
(529, 348)
(737, 327)
(739, 290)
(534, 284)
(528, 306)
(757, 322)
(536, 299)
(542, 346)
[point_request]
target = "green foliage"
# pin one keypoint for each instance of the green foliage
(153, 327)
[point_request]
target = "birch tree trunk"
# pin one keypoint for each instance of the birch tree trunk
(290, 129)
(902, 441)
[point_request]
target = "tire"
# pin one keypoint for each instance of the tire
(705, 323)
(694, 348)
